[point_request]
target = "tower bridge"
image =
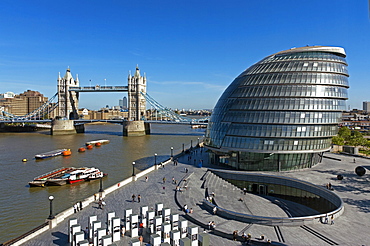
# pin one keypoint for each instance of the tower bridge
(65, 108)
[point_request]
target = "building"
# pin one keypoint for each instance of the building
(280, 113)
(366, 107)
(123, 103)
(24, 103)
(136, 99)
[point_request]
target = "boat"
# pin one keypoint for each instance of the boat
(50, 154)
(102, 141)
(67, 175)
(85, 174)
(56, 177)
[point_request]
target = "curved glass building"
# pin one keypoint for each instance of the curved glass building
(281, 113)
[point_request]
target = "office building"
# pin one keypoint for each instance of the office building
(280, 113)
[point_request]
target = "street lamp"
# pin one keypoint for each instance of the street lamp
(133, 169)
(155, 159)
(198, 141)
(101, 184)
(51, 216)
(191, 143)
(171, 152)
(183, 147)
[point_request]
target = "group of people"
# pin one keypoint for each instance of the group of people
(328, 186)
(138, 198)
(211, 225)
(77, 206)
(101, 203)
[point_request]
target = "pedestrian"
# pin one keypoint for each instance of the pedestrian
(138, 198)
(95, 197)
(80, 205)
(185, 207)
(173, 180)
(245, 190)
(164, 180)
(332, 219)
(326, 219)
(133, 197)
(249, 238)
(75, 207)
(100, 205)
(146, 179)
(235, 235)
(187, 170)
(354, 160)
(214, 210)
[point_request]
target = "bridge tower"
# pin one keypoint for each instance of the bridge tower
(68, 100)
(67, 107)
(136, 101)
(135, 126)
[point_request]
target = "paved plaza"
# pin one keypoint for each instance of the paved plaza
(351, 228)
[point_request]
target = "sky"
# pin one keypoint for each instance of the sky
(189, 50)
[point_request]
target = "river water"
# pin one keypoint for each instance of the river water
(23, 208)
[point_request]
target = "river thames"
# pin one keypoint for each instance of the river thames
(23, 208)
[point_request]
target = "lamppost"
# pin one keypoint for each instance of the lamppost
(133, 168)
(191, 143)
(171, 152)
(101, 184)
(198, 142)
(51, 216)
(155, 159)
(183, 147)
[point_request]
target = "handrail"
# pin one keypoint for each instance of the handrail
(14, 240)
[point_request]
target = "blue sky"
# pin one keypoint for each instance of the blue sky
(190, 50)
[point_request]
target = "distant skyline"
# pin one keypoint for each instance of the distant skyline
(190, 50)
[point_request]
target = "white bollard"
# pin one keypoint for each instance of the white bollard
(143, 211)
(95, 225)
(158, 209)
(166, 228)
(106, 240)
(203, 239)
(185, 241)
(99, 235)
(157, 224)
(166, 215)
(83, 243)
(175, 237)
(74, 230)
(71, 222)
(90, 227)
(110, 215)
(155, 240)
(134, 218)
(135, 242)
(174, 218)
(78, 237)
(150, 221)
(115, 229)
(183, 226)
(193, 235)
(127, 213)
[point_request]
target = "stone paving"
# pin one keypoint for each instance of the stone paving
(351, 228)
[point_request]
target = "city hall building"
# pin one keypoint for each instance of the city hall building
(280, 113)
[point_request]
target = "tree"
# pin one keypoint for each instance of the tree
(345, 133)
(338, 140)
(356, 139)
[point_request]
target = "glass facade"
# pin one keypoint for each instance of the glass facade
(287, 106)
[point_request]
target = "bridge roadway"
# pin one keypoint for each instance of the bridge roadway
(81, 121)
(351, 228)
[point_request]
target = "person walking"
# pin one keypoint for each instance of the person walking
(164, 180)
(133, 197)
(80, 205)
(146, 179)
(138, 198)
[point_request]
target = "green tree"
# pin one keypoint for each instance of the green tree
(338, 140)
(345, 133)
(356, 139)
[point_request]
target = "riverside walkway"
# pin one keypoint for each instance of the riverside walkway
(351, 228)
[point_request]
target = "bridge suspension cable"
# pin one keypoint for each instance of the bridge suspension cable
(165, 112)
(40, 112)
